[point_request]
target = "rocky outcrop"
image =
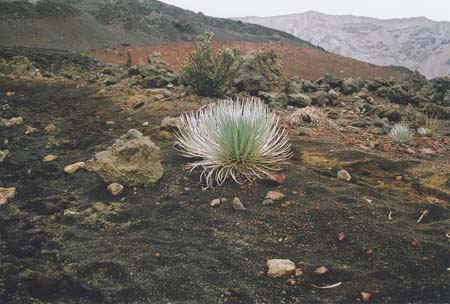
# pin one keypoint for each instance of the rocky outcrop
(133, 160)
(261, 71)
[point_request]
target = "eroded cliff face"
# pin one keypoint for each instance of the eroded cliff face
(416, 43)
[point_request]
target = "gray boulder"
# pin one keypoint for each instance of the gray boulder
(350, 86)
(299, 100)
(133, 160)
(320, 98)
(294, 86)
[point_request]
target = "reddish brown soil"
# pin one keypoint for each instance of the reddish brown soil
(306, 63)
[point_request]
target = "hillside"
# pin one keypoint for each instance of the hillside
(416, 43)
(82, 24)
(305, 62)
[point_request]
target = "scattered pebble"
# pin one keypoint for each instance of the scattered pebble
(6, 193)
(268, 202)
(70, 169)
(237, 204)
(321, 270)
(3, 155)
(115, 189)
(145, 124)
(365, 296)
(16, 121)
(30, 130)
(277, 178)
(344, 175)
(110, 122)
(279, 268)
(50, 157)
(275, 195)
(50, 128)
(216, 202)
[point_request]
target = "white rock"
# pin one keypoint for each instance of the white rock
(115, 189)
(30, 130)
(3, 155)
(279, 268)
(50, 157)
(344, 175)
(275, 195)
(74, 167)
(237, 204)
(6, 193)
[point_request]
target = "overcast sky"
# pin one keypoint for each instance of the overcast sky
(433, 9)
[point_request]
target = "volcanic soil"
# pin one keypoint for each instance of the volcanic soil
(65, 239)
(304, 62)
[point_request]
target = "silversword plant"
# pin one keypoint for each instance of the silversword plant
(401, 134)
(241, 140)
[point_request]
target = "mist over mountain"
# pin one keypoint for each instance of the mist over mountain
(416, 43)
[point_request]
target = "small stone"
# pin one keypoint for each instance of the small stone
(8, 93)
(50, 128)
(275, 195)
(279, 268)
(298, 272)
(7, 193)
(74, 167)
(321, 270)
(30, 130)
(145, 124)
(286, 204)
(16, 121)
(115, 189)
(137, 104)
(237, 204)
(344, 175)
(268, 202)
(69, 212)
(341, 236)
(110, 122)
(277, 178)
(3, 155)
(216, 202)
(365, 296)
(169, 123)
(50, 157)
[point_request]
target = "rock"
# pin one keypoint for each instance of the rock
(7, 193)
(299, 100)
(321, 270)
(133, 160)
(115, 189)
(279, 268)
(74, 167)
(275, 178)
(261, 71)
(15, 121)
(333, 97)
(138, 104)
(169, 123)
(30, 130)
(350, 86)
(50, 157)
(303, 131)
(268, 202)
(110, 122)
(237, 204)
(145, 124)
(294, 86)
(50, 128)
(344, 175)
(398, 94)
(365, 296)
(3, 155)
(275, 195)
(320, 98)
(216, 202)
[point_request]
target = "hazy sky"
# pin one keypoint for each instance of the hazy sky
(434, 9)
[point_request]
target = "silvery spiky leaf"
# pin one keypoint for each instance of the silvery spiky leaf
(401, 134)
(423, 131)
(237, 139)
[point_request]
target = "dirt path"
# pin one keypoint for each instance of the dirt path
(64, 239)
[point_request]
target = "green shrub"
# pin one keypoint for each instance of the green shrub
(208, 71)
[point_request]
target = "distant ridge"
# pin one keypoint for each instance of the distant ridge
(89, 24)
(417, 43)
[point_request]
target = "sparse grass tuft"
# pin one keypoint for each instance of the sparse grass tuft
(308, 116)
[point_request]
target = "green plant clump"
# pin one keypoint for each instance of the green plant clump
(237, 139)
(208, 71)
(401, 134)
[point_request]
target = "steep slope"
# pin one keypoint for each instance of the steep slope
(416, 43)
(88, 24)
(306, 63)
